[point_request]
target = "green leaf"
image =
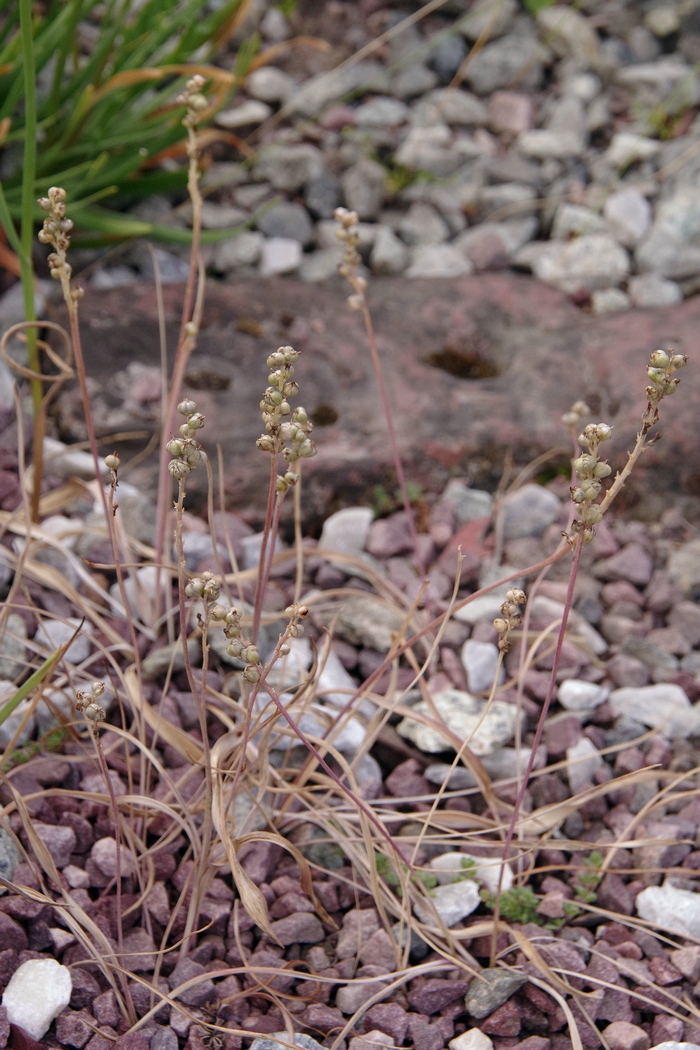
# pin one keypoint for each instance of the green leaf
(34, 680)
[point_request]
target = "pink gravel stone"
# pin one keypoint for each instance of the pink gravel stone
(12, 935)
(504, 1021)
(431, 995)
(298, 927)
(632, 563)
(59, 841)
(620, 1035)
(552, 905)
(510, 112)
(687, 961)
(390, 1018)
(666, 1029)
(664, 971)
(73, 1028)
(337, 118)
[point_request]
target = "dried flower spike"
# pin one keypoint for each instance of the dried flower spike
(590, 470)
(510, 617)
(662, 365)
(194, 101)
(56, 232)
(290, 439)
(185, 449)
(86, 702)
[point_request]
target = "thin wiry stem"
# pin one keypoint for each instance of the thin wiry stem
(189, 328)
(358, 300)
(267, 541)
(199, 693)
(126, 991)
(568, 601)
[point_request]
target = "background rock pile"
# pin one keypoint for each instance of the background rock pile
(481, 137)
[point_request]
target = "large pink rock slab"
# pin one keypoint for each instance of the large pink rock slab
(476, 367)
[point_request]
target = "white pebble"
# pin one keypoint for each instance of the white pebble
(38, 990)
(575, 694)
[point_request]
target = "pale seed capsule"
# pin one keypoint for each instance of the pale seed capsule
(113, 461)
(251, 655)
(197, 103)
(585, 464)
(659, 359)
(178, 470)
(592, 515)
(186, 407)
(591, 488)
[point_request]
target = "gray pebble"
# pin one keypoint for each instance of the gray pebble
(529, 511)
(323, 195)
(364, 188)
(286, 220)
(490, 989)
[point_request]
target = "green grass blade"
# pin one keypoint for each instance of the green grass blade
(34, 680)
(28, 173)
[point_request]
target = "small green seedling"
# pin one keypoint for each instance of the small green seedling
(468, 865)
(518, 904)
(386, 870)
(587, 880)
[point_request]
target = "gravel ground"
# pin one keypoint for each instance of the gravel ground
(566, 147)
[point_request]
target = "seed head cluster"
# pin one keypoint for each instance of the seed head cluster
(347, 232)
(662, 365)
(194, 101)
(590, 470)
(237, 647)
(288, 438)
(510, 618)
(185, 449)
(56, 232)
(86, 702)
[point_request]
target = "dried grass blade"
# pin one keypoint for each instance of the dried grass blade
(185, 745)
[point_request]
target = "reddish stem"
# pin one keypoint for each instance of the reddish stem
(578, 547)
(384, 398)
(269, 537)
